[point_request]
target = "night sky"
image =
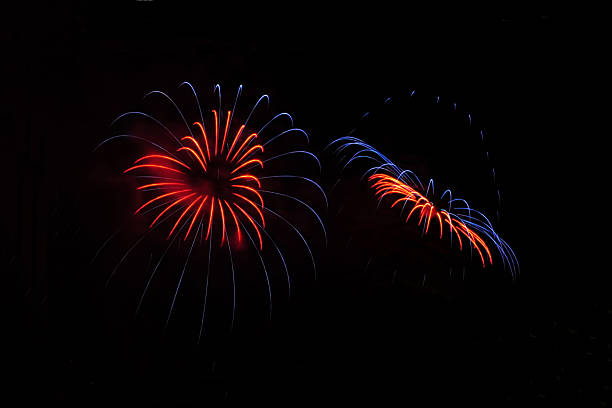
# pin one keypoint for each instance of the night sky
(391, 318)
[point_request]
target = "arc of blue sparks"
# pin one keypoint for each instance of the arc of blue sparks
(480, 223)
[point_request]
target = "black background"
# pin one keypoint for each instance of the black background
(543, 338)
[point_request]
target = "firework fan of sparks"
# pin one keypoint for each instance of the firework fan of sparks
(463, 224)
(211, 182)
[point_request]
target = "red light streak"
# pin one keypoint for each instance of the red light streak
(204, 137)
(247, 140)
(161, 156)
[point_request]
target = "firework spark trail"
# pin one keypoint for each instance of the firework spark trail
(403, 186)
(213, 174)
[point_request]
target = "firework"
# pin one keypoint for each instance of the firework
(219, 181)
(212, 182)
(388, 181)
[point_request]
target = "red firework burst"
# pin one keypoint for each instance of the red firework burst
(219, 185)
(215, 176)
(385, 184)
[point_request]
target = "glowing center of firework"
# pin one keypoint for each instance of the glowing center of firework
(214, 181)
